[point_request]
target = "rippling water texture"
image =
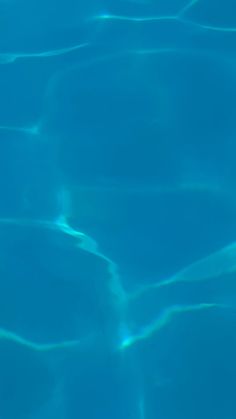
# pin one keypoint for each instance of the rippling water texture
(118, 209)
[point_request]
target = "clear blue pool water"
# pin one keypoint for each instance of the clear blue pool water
(117, 209)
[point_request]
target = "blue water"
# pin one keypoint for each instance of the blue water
(117, 209)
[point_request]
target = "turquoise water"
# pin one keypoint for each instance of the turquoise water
(117, 209)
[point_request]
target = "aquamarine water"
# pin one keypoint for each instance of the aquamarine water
(117, 209)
